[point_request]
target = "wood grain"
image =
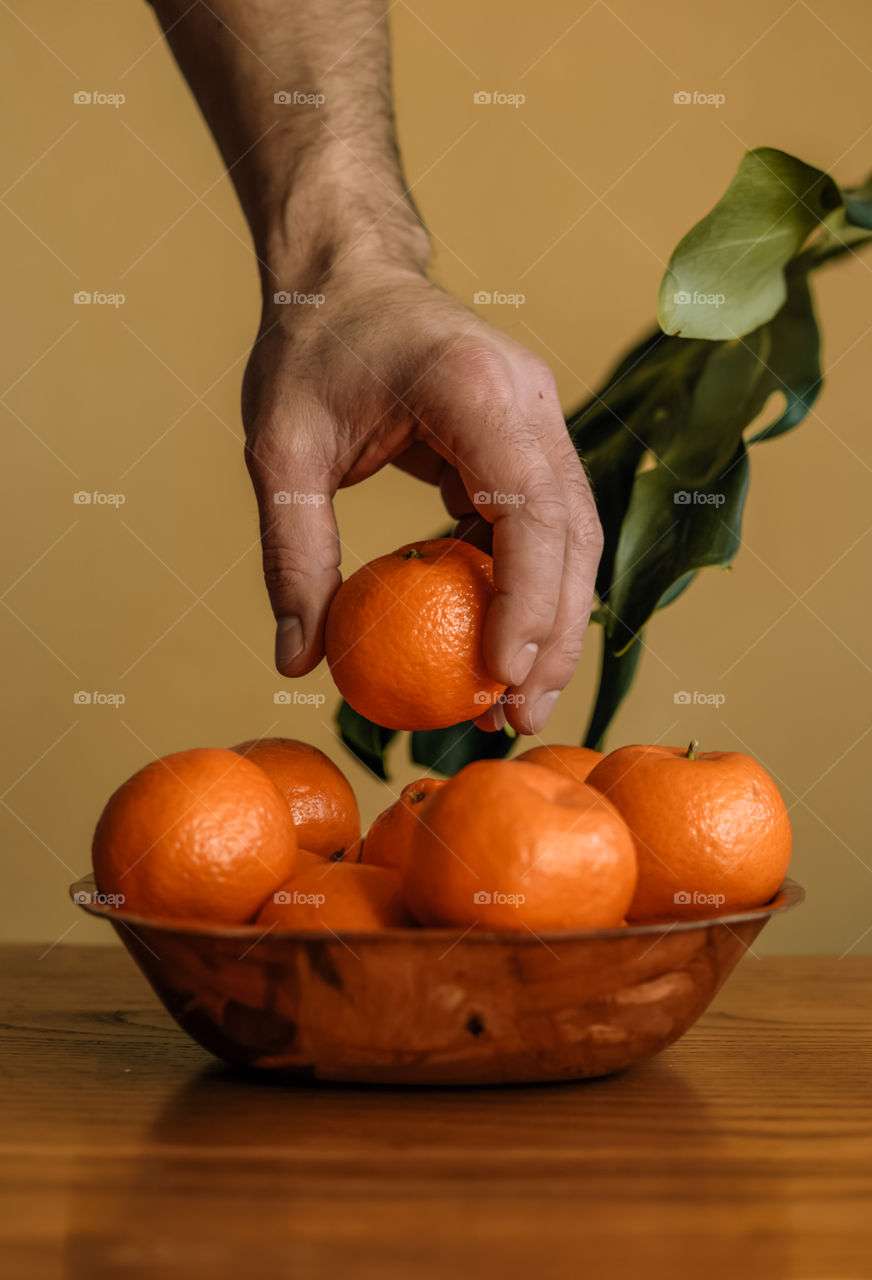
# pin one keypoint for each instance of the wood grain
(745, 1149)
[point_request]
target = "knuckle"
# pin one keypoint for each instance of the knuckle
(480, 375)
(585, 534)
(545, 505)
(281, 572)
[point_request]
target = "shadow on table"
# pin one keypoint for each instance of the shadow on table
(238, 1166)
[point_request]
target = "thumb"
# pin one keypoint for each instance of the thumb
(300, 546)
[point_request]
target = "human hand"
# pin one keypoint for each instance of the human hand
(391, 369)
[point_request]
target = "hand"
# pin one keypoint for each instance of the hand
(391, 369)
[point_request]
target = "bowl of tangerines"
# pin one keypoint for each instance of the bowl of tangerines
(558, 915)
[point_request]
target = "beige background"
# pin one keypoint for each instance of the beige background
(575, 199)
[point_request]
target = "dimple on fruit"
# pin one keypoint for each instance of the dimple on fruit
(403, 637)
(573, 762)
(509, 845)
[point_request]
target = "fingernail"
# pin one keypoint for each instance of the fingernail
(494, 719)
(522, 664)
(542, 710)
(289, 641)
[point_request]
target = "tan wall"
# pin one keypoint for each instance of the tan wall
(161, 599)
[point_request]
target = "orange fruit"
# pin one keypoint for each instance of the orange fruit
(388, 840)
(197, 835)
(341, 896)
(711, 830)
(318, 794)
(572, 762)
(404, 633)
(509, 845)
(305, 858)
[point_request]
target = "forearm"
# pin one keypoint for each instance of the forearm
(319, 177)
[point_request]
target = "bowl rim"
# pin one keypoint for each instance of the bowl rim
(789, 895)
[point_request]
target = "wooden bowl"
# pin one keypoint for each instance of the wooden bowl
(433, 1006)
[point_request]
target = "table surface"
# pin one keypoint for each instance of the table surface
(745, 1150)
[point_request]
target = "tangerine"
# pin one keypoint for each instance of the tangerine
(388, 841)
(572, 762)
(711, 829)
(201, 835)
(403, 637)
(318, 794)
(342, 896)
(510, 845)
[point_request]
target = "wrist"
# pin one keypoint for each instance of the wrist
(338, 219)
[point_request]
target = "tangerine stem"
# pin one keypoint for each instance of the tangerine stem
(692, 749)
(412, 555)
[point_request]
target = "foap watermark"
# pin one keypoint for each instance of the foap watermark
(284, 698)
(498, 99)
(482, 698)
(284, 298)
(484, 897)
(684, 898)
(295, 98)
(97, 699)
(286, 898)
(497, 498)
(684, 298)
(494, 298)
(694, 698)
(96, 298)
(688, 98)
(85, 898)
(698, 498)
(97, 98)
(284, 498)
(96, 498)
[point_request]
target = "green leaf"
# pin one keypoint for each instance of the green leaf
(678, 588)
(669, 532)
(448, 750)
(726, 277)
(793, 362)
(644, 402)
(617, 672)
(730, 391)
(364, 739)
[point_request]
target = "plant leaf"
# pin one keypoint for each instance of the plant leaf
(644, 402)
(794, 358)
(666, 534)
(448, 750)
(617, 672)
(678, 588)
(364, 739)
(726, 277)
(730, 391)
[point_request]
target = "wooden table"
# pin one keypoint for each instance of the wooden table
(745, 1151)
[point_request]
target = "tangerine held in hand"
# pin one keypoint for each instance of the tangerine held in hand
(197, 835)
(403, 637)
